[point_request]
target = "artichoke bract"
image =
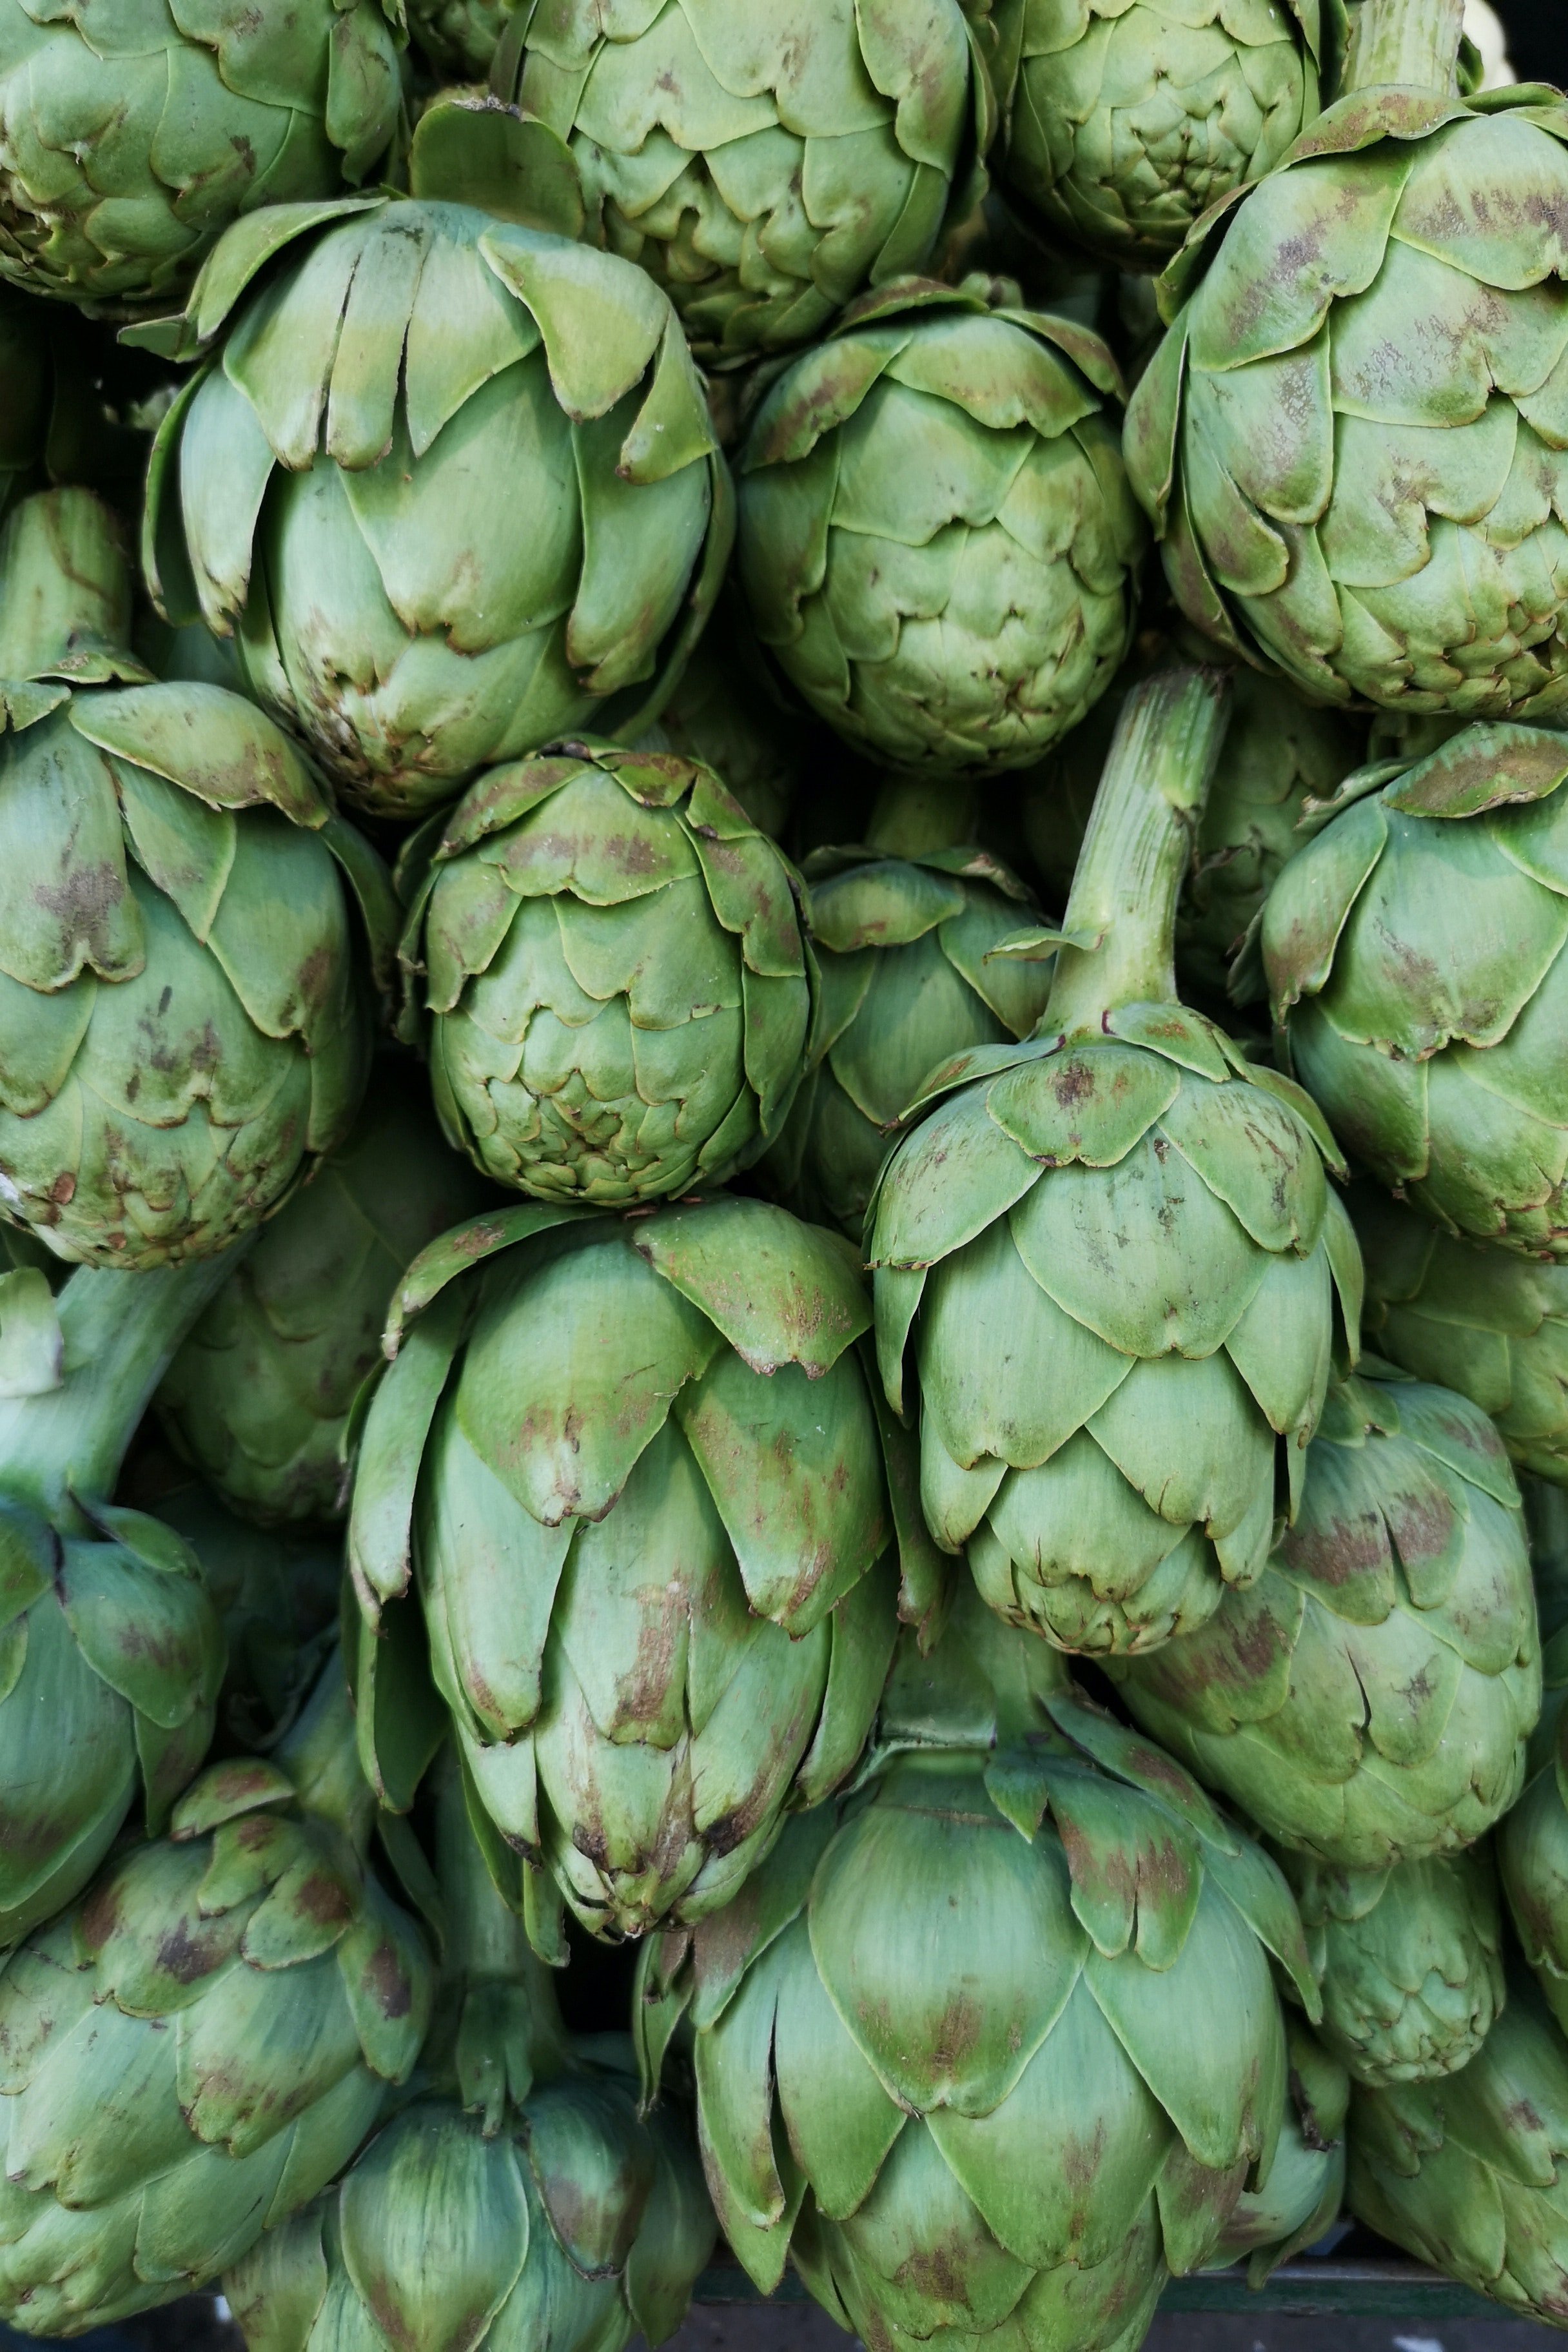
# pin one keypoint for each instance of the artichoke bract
(1127, 118)
(259, 1397)
(1300, 2199)
(765, 165)
(1368, 1699)
(1533, 1841)
(936, 539)
(191, 2053)
(451, 482)
(1432, 1044)
(633, 1467)
(1069, 2090)
(1408, 1960)
(726, 713)
(1112, 1255)
(611, 977)
(133, 132)
(184, 1026)
(1350, 441)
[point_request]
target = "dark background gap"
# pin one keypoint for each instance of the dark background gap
(1537, 37)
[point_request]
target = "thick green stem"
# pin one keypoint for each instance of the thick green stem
(917, 814)
(64, 583)
(1135, 853)
(320, 1754)
(1410, 44)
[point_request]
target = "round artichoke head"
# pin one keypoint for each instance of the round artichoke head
(936, 538)
(133, 132)
(610, 964)
(1434, 1045)
(1349, 441)
(1368, 1699)
(483, 505)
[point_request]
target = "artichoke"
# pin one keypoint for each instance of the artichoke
(1434, 1044)
(1408, 1960)
(1368, 1699)
(451, 480)
(133, 132)
(1533, 1841)
(633, 1465)
(726, 713)
(609, 960)
(1127, 118)
(259, 1397)
(191, 2053)
(1113, 1255)
(1350, 441)
(765, 165)
(183, 1030)
(935, 536)
(1006, 2143)
(1301, 2198)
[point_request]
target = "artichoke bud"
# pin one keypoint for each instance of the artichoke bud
(1301, 2198)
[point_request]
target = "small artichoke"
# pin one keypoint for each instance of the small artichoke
(725, 712)
(1433, 1044)
(936, 540)
(1300, 2199)
(258, 1396)
(1368, 1699)
(608, 962)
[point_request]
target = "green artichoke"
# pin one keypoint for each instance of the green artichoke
(1301, 2200)
(259, 1397)
(182, 1026)
(632, 1465)
(1433, 1044)
(1368, 1699)
(1408, 1959)
(765, 165)
(725, 712)
(192, 2053)
(936, 539)
(1492, 1325)
(1350, 441)
(451, 481)
(1533, 1841)
(1113, 1255)
(1127, 118)
(608, 962)
(993, 2043)
(133, 132)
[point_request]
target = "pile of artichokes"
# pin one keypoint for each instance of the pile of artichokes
(784, 1162)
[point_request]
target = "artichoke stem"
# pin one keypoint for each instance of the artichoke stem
(917, 814)
(1135, 853)
(63, 583)
(320, 1754)
(121, 1333)
(1406, 44)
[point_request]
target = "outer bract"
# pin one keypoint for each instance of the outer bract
(936, 536)
(193, 2051)
(612, 975)
(634, 1467)
(1129, 118)
(132, 131)
(1352, 442)
(763, 166)
(451, 480)
(1368, 1699)
(1300, 2199)
(1434, 1045)
(1532, 1842)
(184, 1028)
(1408, 1959)
(259, 1397)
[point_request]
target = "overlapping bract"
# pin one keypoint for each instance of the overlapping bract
(451, 480)
(1300, 2199)
(1533, 1841)
(724, 713)
(1369, 1698)
(1435, 1046)
(936, 536)
(613, 977)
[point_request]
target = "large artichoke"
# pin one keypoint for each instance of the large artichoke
(1350, 441)
(1114, 1255)
(1416, 952)
(1127, 118)
(764, 165)
(451, 480)
(1368, 1699)
(258, 1396)
(1300, 2199)
(992, 2043)
(194, 2049)
(610, 969)
(632, 1465)
(936, 536)
(183, 1026)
